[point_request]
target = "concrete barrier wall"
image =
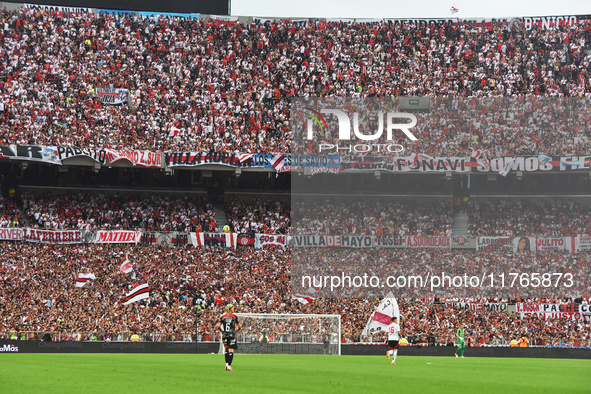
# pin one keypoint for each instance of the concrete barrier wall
(448, 351)
(213, 347)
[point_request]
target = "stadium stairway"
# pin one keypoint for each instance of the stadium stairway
(220, 217)
(460, 226)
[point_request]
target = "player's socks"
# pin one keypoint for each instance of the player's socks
(227, 356)
(230, 358)
(394, 354)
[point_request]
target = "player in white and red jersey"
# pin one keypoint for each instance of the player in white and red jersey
(393, 338)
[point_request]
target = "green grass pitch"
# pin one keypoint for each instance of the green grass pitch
(204, 373)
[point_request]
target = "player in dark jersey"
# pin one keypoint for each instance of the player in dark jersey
(228, 325)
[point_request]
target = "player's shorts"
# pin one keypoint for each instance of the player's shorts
(392, 345)
(230, 343)
(461, 343)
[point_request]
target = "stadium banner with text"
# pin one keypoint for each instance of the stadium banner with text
(227, 240)
(193, 159)
(308, 163)
(315, 163)
(582, 242)
(552, 22)
(166, 238)
(525, 244)
(52, 236)
(477, 306)
(116, 237)
(500, 165)
(117, 13)
(554, 311)
(553, 244)
(108, 156)
(281, 163)
(45, 154)
(143, 158)
(223, 19)
(112, 96)
(417, 241)
(389, 241)
(11, 234)
(495, 244)
(270, 240)
(298, 22)
(527, 22)
(150, 14)
(368, 241)
(332, 241)
(418, 163)
(58, 11)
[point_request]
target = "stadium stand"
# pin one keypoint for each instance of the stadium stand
(201, 86)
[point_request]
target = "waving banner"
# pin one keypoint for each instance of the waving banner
(382, 316)
(112, 96)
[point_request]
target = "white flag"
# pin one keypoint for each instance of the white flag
(139, 293)
(382, 317)
(303, 298)
(84, 278)
(126, 267)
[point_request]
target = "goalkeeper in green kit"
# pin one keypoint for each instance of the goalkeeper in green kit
(461, 341)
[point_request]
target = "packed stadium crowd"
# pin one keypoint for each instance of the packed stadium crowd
(511, 217)
(372, 217)
(498, 217)
(189, 288)
(10, 215)
(205, 86)
(258, 216)
(200, 85)
(113, 212)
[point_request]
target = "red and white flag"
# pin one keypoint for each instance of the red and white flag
(510, 164)
(126, 266)
(141, 292)
(278, 162)
(382, 316)
(480, 156)
(84, 278)
(302, 298)
(244, 157)
(454, 9)
(419, 156)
